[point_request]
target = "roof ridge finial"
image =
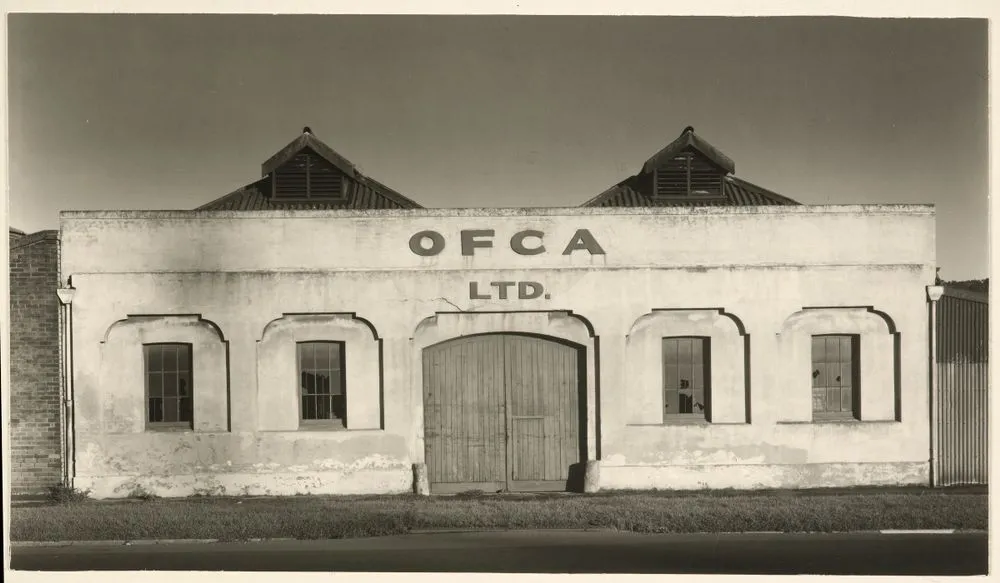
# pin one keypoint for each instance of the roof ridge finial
(307, 130)
(688, 130)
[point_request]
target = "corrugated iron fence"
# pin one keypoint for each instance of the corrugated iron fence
(963, 388)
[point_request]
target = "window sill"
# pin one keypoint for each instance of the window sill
(325, 431)
(675, 421)
(322, 426)
(170, 428)
(851, 421)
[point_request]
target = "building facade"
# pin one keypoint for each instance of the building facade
(318, 332)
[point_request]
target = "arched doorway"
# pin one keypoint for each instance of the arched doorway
(503, 412)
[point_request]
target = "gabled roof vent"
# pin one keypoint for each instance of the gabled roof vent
(688, 167)
(688, 140)
(308, 169)
(308, 140)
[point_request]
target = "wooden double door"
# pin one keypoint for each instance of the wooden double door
(502, 412)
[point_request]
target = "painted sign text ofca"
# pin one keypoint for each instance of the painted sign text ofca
(526, 242)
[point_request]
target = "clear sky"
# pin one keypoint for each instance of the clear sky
(170, 112)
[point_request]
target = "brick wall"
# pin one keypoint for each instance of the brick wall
(34, 362)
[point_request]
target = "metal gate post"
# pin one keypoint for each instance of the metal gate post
(934, 293)
(66, 405)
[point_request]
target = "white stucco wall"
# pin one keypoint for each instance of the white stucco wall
(121, 365)
(277, 382)
(758, 281)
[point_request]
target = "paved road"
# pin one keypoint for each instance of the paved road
(546, 552)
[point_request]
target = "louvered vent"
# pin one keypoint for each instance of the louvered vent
(308, 176)
(688, 175)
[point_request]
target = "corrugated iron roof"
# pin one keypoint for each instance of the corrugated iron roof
(363, 193)
(736, 192)
(366, 193)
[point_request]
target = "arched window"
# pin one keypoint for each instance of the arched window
(322, 383)
(686, 377)
(835, 376)
(169, 390)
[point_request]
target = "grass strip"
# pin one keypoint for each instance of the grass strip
(325, 517)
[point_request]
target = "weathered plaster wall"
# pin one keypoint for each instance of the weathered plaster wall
(277, 385)
(644, 383)
(757, 281)
(109, 409)
(373, 240)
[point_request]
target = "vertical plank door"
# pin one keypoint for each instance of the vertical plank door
(500, 413)
(464, 415)
(543, 397)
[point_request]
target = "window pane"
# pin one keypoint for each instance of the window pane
(183, 360)
(671, 402)
(696, 350)
(820, 376)
(169, 358)
(833, 348)
(154, 358)
(323, 407)
(327, 361)
(698, 402)
(320, 358)
(337, 383)
(819, 399)
(833, 399)
(845, 349)
(818, 349)
(155, 384)
(846, 378)
(169, 384)
(335, 350)
(185, 410)
(339, 405)
(318, 355)
(698, 377)
(183, 384)
(308, 408)
(670, 377)
(684, 376)
(169, 410)
(833, 375)
(323, 383)
(685, 403)
(684, 350)
(670, 351)
(307, 359)
(155, 410)
(845, 399)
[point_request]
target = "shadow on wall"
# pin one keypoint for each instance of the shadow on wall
(574, 483)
